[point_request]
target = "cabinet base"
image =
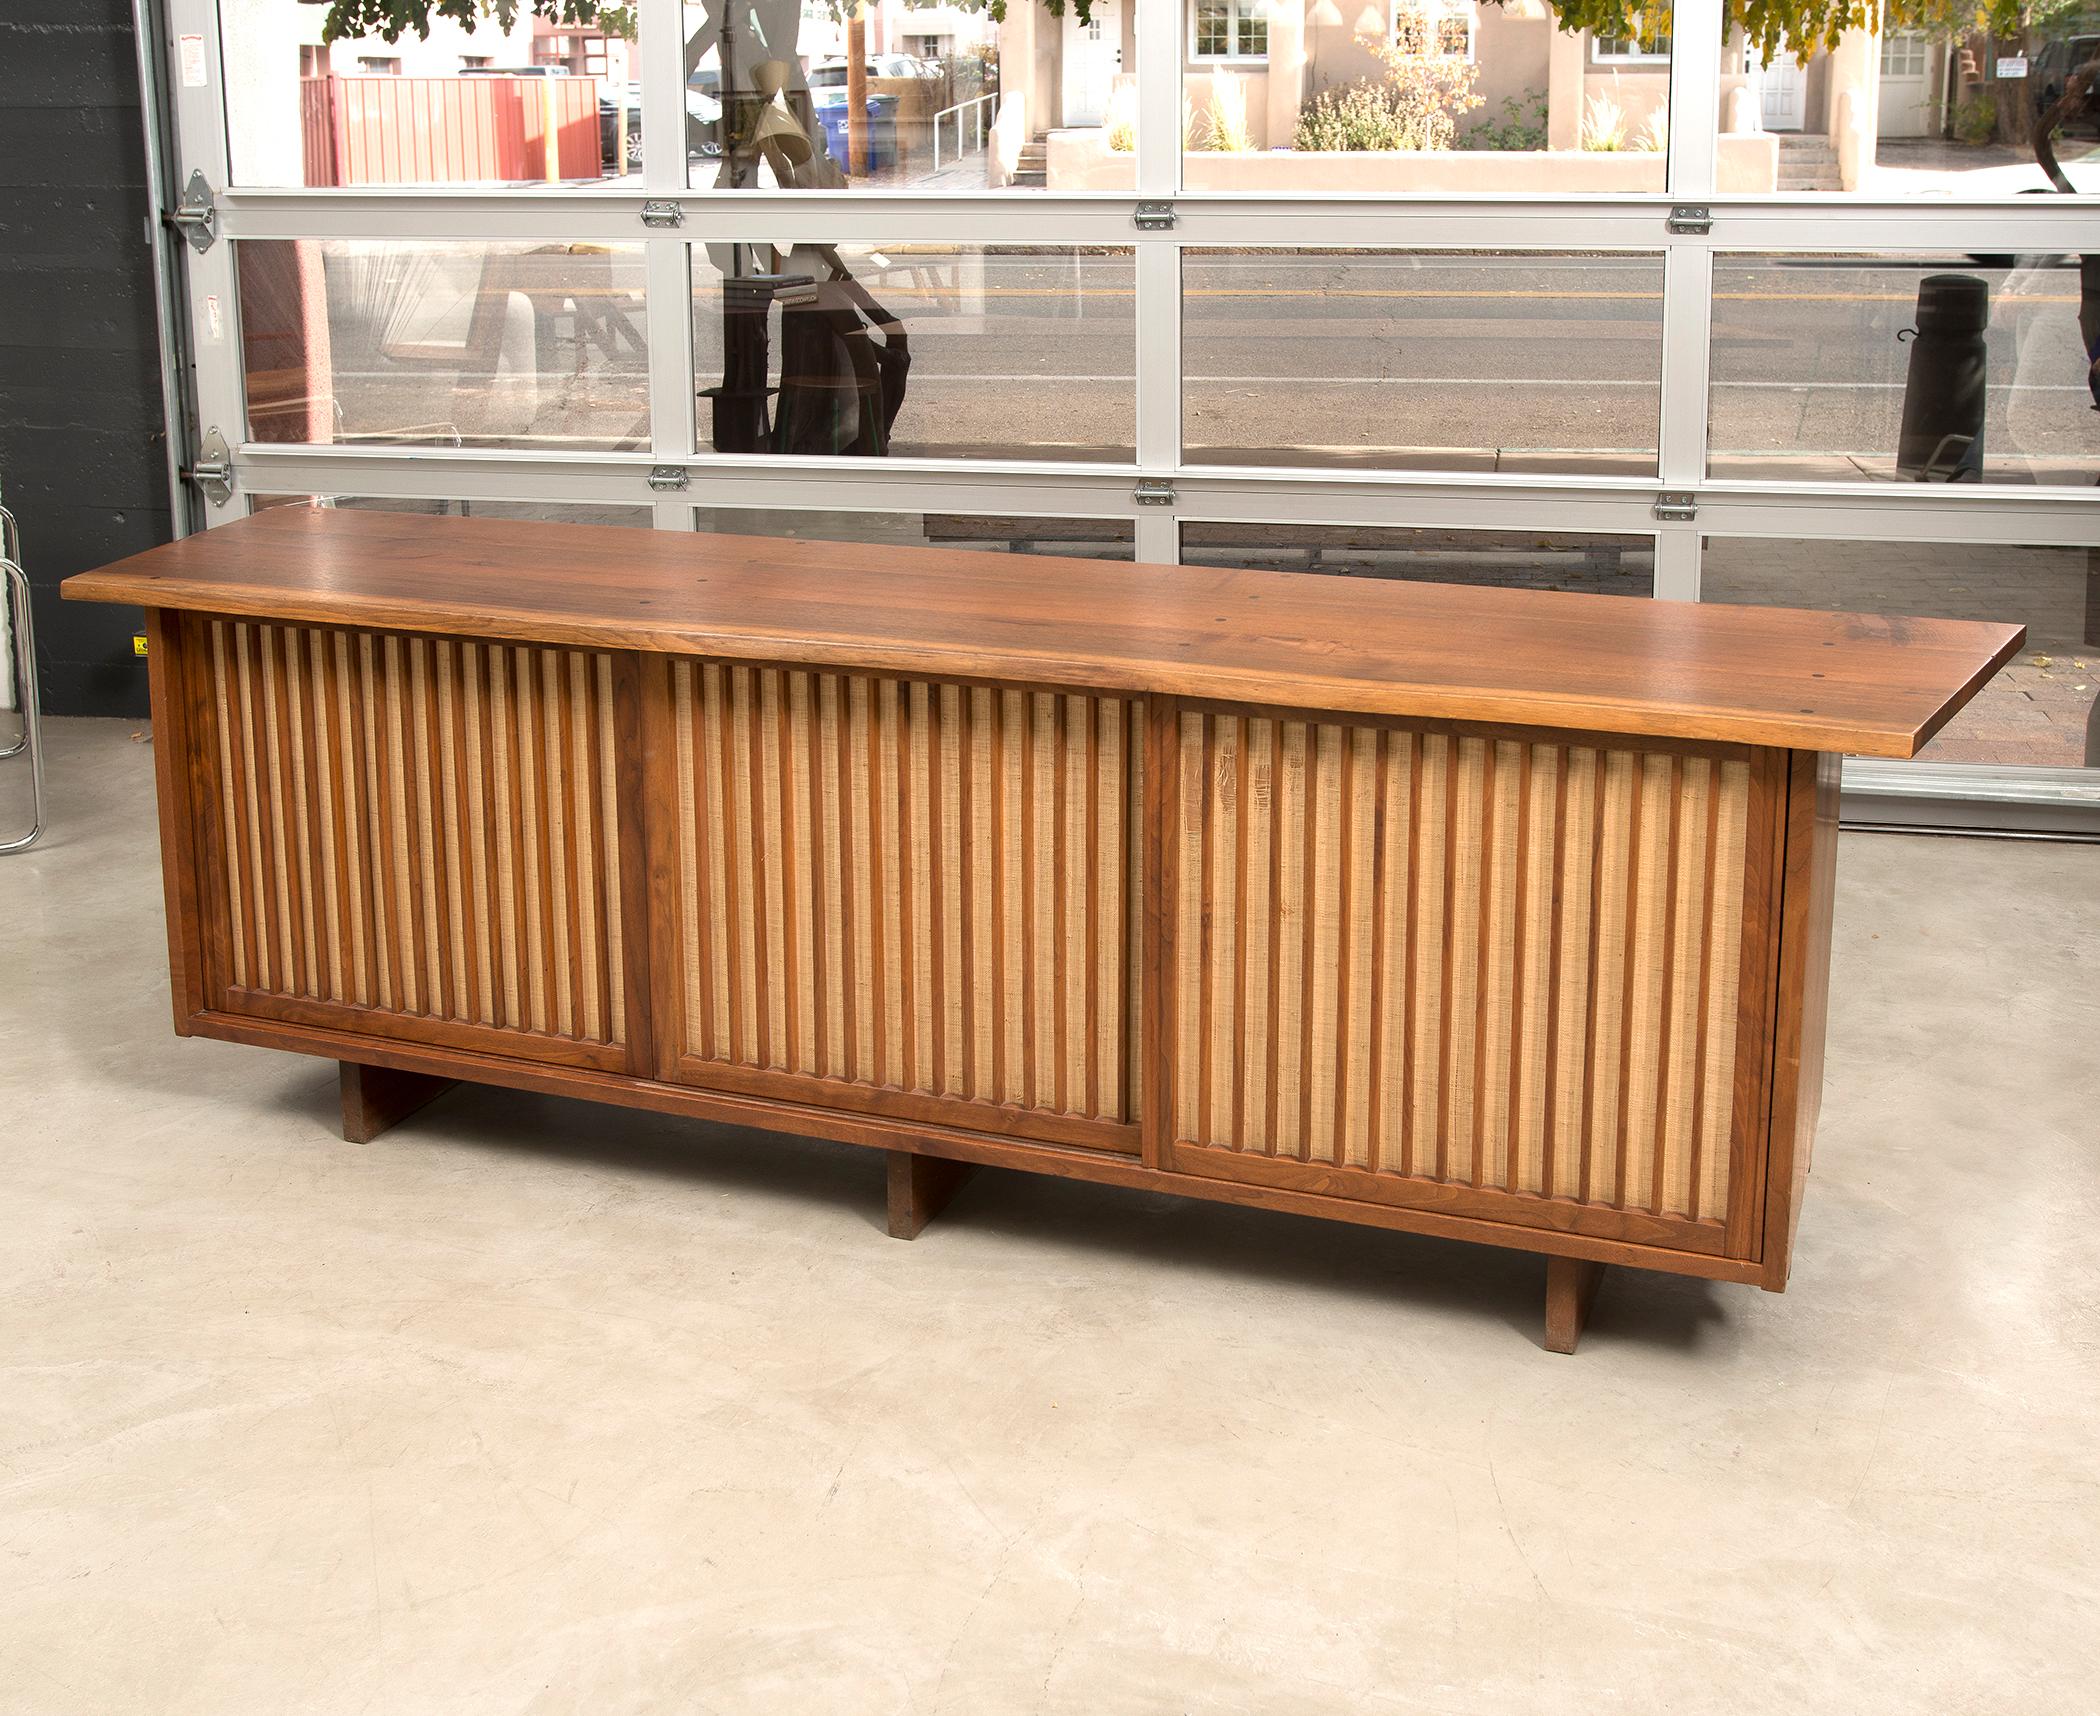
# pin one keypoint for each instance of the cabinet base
(376, 1098)
(920, 1187)
(1571, 1288)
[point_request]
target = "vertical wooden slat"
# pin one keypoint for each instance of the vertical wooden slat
(1192, 1025)
(1077, 862)
(587, 843)
(509, 821)
(282, 790)
(1159, 887)
(233, 807)
(445, 743)
(306, 805)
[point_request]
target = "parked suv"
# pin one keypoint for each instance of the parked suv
(2053, 65)
(831, 74)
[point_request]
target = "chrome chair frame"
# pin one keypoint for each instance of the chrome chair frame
(21, 633)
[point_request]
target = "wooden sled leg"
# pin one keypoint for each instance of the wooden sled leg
(920, 1187)
(1571, 1287)
(375, 1098)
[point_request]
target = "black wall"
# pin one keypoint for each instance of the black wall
(82, 457)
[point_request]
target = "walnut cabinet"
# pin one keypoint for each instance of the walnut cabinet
(1485, 914)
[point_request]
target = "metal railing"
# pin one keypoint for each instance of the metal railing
(982, 111)
(22, 640)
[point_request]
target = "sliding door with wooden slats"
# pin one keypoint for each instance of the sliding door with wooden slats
(1482, 972)
(415, 836)
(905, 896)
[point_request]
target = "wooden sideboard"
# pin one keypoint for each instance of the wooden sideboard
(1492, 914)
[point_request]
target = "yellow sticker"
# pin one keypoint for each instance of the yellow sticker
(138, 643)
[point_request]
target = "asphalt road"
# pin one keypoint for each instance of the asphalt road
(1463, 362)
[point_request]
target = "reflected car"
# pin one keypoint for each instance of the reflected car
(700, 107)
(831, 74)
(2054, 63)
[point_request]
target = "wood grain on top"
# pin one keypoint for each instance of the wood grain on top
(1871, 684)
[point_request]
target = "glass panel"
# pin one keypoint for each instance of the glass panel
(903, 95)
(1399, 360)
(554, 512)
(1820, 372)
(917, 350)
(456, 345)
(1928, 112)
(1516, 559)
(1090, 538)
(1395, 97)
(2039, 710)
(469, 104)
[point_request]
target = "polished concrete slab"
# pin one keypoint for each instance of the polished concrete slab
(531, 1406)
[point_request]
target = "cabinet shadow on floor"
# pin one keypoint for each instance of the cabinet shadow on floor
(1184, 1238)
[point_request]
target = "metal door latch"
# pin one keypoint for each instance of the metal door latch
(663, 214)
(212, 470)
(669, 479)
(196, 217)
(1153, 491)
(1676, 508)
(1690, 218)
(1153, 217)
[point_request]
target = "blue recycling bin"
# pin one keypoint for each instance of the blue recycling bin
(882, 130)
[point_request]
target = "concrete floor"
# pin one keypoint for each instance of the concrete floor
(531, 1406)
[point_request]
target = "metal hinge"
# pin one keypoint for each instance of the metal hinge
(196, 217)
(1691, 218)
(1676, 508)
(1154, 217)
(663, 214)
(1153, 491)
(213, 469)
(668, 479)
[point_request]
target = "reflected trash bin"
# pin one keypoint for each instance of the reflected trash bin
(882, 132)
(1941, 439)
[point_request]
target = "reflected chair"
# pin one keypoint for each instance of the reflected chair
(21, 634)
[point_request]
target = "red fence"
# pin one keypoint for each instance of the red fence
(447, 130)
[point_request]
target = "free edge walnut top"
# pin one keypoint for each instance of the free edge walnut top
(1874, 685)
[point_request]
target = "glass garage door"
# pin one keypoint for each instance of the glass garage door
(1439, 290)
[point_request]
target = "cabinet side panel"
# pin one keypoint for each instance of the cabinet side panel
(1808, 895)
(182, 771)
(1503, 966)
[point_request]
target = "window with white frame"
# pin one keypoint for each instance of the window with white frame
(1650, 40)
(1903, 54)
(1442, 29)
(1229, 30)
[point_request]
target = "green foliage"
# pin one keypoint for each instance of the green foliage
(1976, 118)
(388, 19)
(1522, 125)
(1808, 24)
(1368, 116)
(1416, 105)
